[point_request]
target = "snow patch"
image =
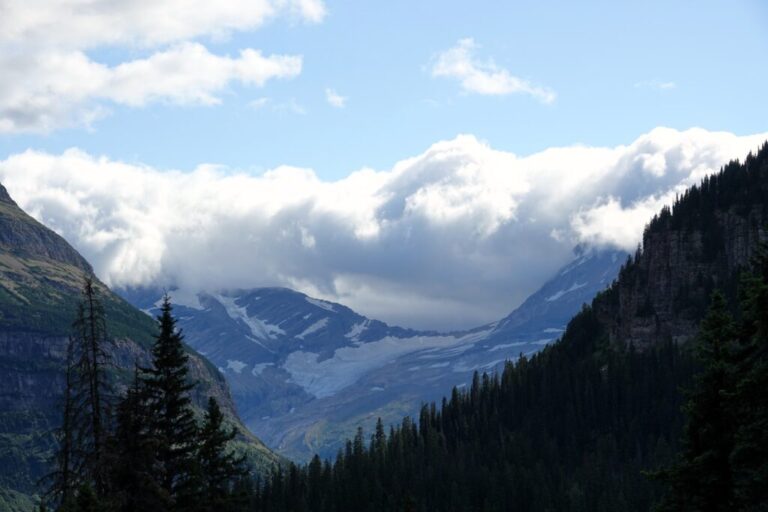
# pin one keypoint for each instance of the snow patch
(325, 378)
(507, 345)
(235, 365)
(313, 328)
(559, 294)
(321, 304)
(356, 330)
(259, 343)
(259, 328)
(260, 367)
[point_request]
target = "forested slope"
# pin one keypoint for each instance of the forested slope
(575, 427)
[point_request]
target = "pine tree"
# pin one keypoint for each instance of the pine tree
(750, 453)
(135, 461)
(702, 479)
(92, 389)
(82, 458)
(173, 422)
(219, 467)
(64, 478)
(88, 500)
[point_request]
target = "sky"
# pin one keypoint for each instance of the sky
(427, 163)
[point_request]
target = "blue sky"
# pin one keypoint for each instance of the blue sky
(618, 69)
(428, 163)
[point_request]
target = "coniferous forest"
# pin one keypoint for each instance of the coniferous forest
(579, 427)
(587, 424)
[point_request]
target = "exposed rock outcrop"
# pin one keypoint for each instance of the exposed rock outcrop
(703, 243)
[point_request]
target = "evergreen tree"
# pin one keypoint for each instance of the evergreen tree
(173, 423)
(702, 479)
(88, 501)
(750, 453)
(92, 389)
(82, 458)
(134, 481)
(219, 467)
(63, 481)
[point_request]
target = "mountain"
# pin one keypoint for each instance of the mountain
(579, 425)
(305, 373)
(40, 280)
(700, 244)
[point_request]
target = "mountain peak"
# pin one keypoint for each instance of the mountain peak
(25, 237)
(5, 197)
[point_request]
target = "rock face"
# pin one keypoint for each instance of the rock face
(701, 244)
(40, 279)
(305, 373)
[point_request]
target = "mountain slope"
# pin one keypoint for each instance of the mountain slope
(574, 427)
(40, 280)
(701, 243)
(306, 373)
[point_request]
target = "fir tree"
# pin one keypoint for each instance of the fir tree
(750, 453)
(135, 450)
(219, 467)
(173, 422)
(702, 479)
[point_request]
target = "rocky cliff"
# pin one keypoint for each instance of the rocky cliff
(702, 243)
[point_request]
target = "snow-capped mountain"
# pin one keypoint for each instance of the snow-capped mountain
(306, 372)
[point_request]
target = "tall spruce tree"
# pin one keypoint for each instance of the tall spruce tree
(219, 467)
(750, 454)
(134, 478)
(702, 479)
(173, 421)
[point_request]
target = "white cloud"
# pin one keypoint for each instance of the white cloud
(51, 80)
(484, 77)
(452, 237)
(59, 89)
(659, 85)
(259, 103)
(87, 24)
(334, 99)
(290, 106)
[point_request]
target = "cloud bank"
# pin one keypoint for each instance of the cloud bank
(453, 237)
(484, 77)
(51, 80)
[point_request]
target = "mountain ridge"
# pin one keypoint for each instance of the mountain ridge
(41, 276)
(306, 372)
